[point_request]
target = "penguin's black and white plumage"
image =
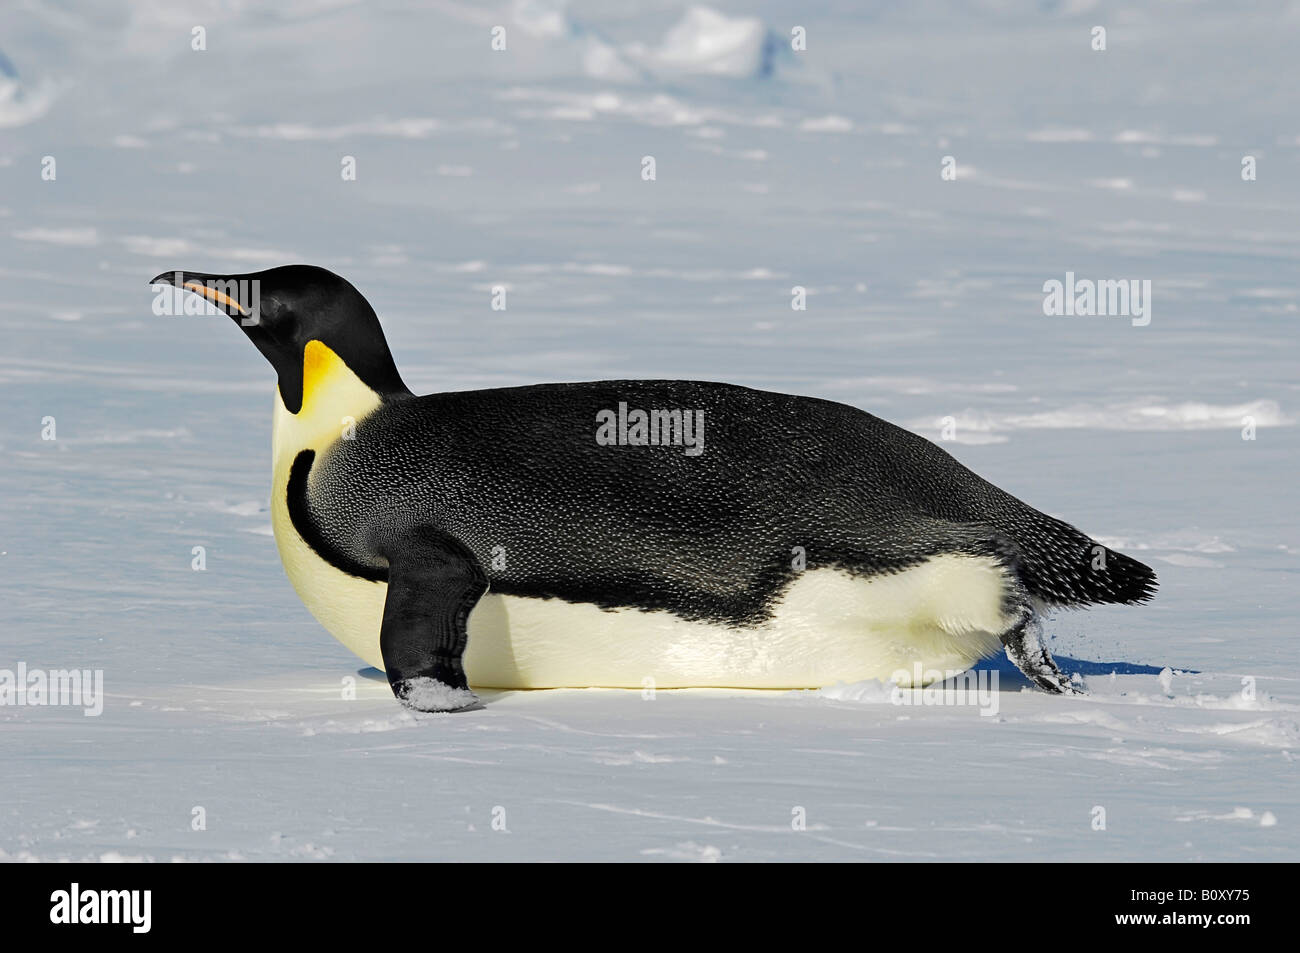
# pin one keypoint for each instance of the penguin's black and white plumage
(633, 533)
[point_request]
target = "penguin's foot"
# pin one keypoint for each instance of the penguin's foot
(1026, 649)
(428, 694)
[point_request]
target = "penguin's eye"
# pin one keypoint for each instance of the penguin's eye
(273, 313)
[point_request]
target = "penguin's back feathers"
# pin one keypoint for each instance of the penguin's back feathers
(519, 475)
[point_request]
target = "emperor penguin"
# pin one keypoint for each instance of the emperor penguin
(633, 533)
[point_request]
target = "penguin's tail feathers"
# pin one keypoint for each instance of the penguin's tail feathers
(1062, 566)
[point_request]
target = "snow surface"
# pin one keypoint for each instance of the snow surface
(775, 168)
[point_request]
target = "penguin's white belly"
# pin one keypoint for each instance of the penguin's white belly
(829, 626)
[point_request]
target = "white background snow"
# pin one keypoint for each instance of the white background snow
(775, 168)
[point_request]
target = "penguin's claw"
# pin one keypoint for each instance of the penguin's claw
(1056, 681)
(1027, 651)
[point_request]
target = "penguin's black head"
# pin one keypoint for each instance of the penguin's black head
(283, 309)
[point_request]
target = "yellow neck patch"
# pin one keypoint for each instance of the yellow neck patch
(319, 366)
(334, 401)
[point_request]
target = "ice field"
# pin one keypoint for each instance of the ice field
(1173, 440)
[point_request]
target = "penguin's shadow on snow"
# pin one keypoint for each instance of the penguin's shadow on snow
(1011, 679)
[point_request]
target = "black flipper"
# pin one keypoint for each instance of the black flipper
(1027, 650)
(433, 584)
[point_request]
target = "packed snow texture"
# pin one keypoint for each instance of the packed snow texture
(431, 695)
(137, 541)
